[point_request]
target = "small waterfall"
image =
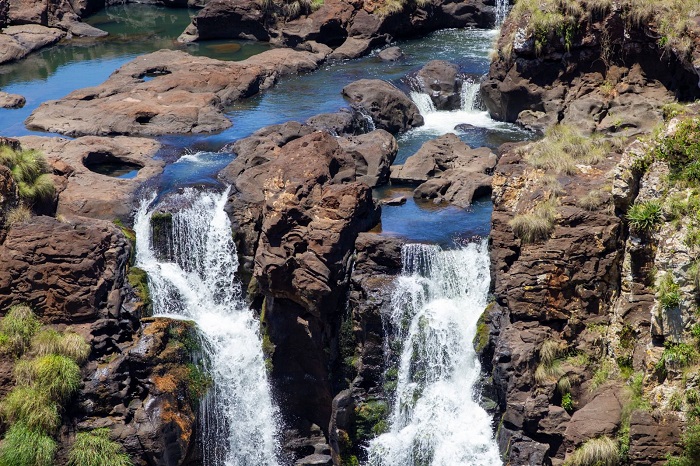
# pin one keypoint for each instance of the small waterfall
(470, 96)
(502, 7)
(239, 419)
(423, 102)
(436, 418)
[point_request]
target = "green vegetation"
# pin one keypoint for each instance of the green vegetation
(645, 216)
(33, 407)
(567, 402)
(68, 344)
(57, 376)
(672, 110)
(481, 339)
(17, 329)
(198, 382)
(564, 147)
(677, 355)
(601, 451)
(635, 400)
(682, 151)
(289, 9)
(31, 173)
(94, 448)
(536, 225)
(27, 447)
(370, 419)
(390, 7)
(691, 448)
(669, 292)
(138, 279)
(549, 369)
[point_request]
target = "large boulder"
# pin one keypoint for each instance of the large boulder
(168, 92)
(16, 42)
(373, 154)
(70, 272)
(441, 81)
(85, 192)
(222, 19)
(389, 108)
(11, 100)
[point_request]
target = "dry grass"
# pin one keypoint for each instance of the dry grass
(601, 451)
(67, 344)
(563, 148)
(536, 225)
(549, 369)
(17, 215)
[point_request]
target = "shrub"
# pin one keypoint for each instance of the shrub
(669, 292)
(536, 225)
(601, 451)
(691, 448)
(58, 376)
(30, 172)
(645, 216)
(567, 402)
(18, 327)
(678, 355)
(94, 448)
(563, 147)
(26, 447)
(31, 407)
(67, 344)
(17, 215)
(682, 151)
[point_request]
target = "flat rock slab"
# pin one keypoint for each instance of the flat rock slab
(16, 42)
(11, 100)
(89, 194)
(169, 92)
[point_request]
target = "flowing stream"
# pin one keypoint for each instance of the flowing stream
(436, 418)
(193, 277)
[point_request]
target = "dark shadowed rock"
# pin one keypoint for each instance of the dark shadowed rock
(391, 54)
(69, 272)
(441, 81)
(389, 108)
(222, 19)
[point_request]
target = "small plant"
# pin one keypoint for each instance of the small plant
(682, 151)
(66, 344)
(17, 329)
(592, 200)
(17, 215)
(198, 382)
(567, 402)
(645, 216)
(605, 372)
(677, 355)
(691, 448)
(549, 369)
(536, 225)
(33, 408)
(601, 451)
(58, 376)
(370, 419)
(26, 447)
(94, 448)
(669, 292)
(672, 110)
(30, 172)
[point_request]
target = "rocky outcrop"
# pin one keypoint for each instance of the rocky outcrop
(373, 154)
(70, 272)
(85, 192)
(594, 72)
(352, 29)
(168, 92)
(11, 100)
(389, 108)
(441, 81)
(16, 42)
(448, 170)
(296, 210)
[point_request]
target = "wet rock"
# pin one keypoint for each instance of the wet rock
(391, 54)
(16, 42)
(441, 81)
(400, 200)
(69, 272)
(82, 191)
(145, 394)
(11, 100)
(373, 153)
(168, 92)
(390, 109)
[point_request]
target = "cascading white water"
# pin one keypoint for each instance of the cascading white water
(436, 418)
(238, 414)
(469, 96)
(423, 102)
(501, 11)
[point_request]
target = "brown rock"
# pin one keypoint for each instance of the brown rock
(68, 272)
(653, 437)
(601, 416)
(389, 108)
(373, 154)
(16, 42)
(11, 100)
(221, 19)
(441, 81)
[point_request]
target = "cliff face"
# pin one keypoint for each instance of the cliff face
(602, 66)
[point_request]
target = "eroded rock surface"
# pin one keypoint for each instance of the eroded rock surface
(389, 108)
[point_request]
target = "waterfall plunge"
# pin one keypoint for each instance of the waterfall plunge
(436, 418)
(239, 419)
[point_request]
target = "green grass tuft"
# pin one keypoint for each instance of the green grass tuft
(31, 407)
(58, 376)
(563, 148)
(669, 292)
(645, 216)
(30, 172)
(601, 451)
(26, 447)
(17, 329)
(94, 448)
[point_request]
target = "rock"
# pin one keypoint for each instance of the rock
(11, 100)
(600, 416)
(355, 47)
(80, 29)
(315, 460)
(522, 449)
(653, 438)
(373, 154)
(84, 192)
(144, 394)
(16, 42)
(342, 123)
(389, 108)
(441, 81)
(168, 92)
(400, 200)
(222, 19)
(391, 54)
(327, 25)
(69, 272)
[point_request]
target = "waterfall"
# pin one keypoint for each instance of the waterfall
(501, 11)
(239, 419)
(423, 102)
(436, 418)
(470, 96)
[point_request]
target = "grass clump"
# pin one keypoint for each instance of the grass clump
(56, 375)
(138, 279)
(549, 369)
(31, 173)
(645, 216)
(601, 451)
(27, 447)
(669, 292)
(67, 344)
(17, 329)
(34, 408)
(677, 355)
(563, 148)
(691, 448)
(94, 448)
(17, 215)
(536, 225)
(681, 150)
